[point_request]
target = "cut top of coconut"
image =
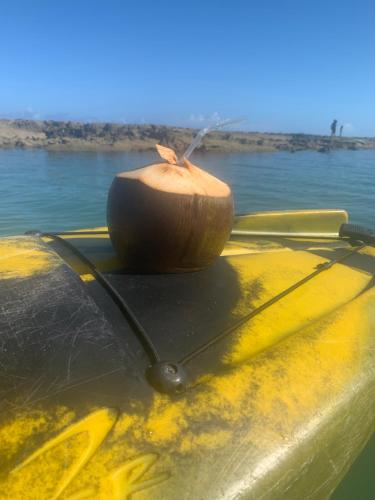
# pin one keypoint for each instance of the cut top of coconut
(187, 179)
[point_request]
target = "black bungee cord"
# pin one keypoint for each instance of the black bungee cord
(171, 377)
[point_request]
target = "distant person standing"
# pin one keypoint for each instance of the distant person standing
(333, 128)
(341, 129)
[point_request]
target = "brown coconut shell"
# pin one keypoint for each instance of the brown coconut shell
(169, 218)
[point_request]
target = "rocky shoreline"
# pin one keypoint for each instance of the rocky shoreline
(77, 136)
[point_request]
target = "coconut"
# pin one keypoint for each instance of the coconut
(168, 217)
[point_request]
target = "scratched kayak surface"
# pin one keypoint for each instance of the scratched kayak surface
(278, 408)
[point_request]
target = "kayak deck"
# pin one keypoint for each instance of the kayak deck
(280, 407)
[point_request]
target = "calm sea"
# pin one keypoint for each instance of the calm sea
(68, 190)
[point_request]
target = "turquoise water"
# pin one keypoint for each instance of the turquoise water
(65, 190)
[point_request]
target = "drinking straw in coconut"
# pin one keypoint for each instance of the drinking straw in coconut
(197, 141)
(170, 217)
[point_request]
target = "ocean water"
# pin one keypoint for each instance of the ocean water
(55, 191)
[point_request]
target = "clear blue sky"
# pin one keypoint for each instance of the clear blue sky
(285, 65)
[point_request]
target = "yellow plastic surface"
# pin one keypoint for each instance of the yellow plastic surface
(285, 419)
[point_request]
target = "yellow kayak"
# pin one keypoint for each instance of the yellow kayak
(252, 379)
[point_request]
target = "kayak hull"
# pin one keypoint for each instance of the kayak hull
(279, 408)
